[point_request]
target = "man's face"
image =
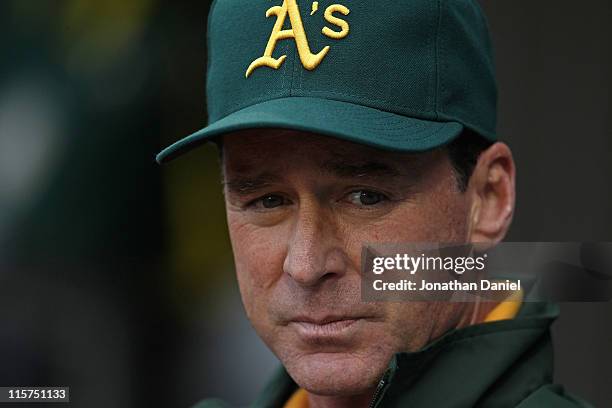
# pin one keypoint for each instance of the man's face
(299, 208)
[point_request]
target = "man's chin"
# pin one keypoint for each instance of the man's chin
(337, 374)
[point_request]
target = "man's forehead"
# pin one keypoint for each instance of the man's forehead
(256, 148)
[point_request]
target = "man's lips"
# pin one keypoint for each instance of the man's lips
(326, 327)
(322, 321)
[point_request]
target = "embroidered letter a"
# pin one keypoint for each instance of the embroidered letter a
(309, 60)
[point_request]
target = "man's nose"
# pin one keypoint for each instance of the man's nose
(314, 249)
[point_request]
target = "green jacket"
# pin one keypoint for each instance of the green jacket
(507, 363)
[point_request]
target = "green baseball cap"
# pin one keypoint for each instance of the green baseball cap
(401, 75)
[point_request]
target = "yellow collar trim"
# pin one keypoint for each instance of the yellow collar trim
(299, 399)
(507, 309)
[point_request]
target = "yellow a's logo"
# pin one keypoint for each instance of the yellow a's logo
(309, 60)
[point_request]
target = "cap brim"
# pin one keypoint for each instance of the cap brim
(343, 120)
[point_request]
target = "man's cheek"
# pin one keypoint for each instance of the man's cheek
(255, 278)
(258, 256)
(407, 224)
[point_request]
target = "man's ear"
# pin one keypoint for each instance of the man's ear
(492, 190)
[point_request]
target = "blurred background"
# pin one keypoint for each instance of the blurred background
(116, 275)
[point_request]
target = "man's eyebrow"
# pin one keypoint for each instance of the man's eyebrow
(349, 169)
(244, 185)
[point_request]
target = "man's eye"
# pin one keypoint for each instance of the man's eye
(366, 197)
(270, 201)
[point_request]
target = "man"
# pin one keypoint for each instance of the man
(345, 123)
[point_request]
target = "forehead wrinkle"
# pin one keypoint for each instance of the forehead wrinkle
(345, 169)
(377, 164)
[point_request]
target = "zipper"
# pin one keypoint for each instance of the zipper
(379, 390)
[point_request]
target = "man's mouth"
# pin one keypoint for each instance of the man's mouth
(327, 327)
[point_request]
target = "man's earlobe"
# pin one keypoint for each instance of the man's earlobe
(492, 187)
